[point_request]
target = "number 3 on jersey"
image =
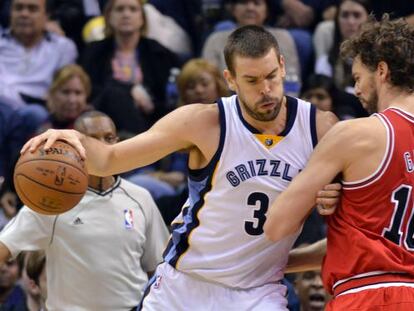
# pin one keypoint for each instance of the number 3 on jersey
(260, 200)
(400, 197)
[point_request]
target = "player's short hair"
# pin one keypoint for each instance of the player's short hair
(249, 41)
(390, 41)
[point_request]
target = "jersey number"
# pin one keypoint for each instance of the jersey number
(400, 198)
(254, 199)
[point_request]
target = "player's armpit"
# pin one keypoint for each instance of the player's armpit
(306, 258)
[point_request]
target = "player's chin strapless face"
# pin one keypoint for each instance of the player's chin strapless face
(365, 88)
(260, 85)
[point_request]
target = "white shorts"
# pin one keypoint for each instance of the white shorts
(173, 290)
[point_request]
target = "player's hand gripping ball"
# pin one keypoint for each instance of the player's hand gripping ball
(51, 181)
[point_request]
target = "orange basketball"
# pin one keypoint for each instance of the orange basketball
(51, 181)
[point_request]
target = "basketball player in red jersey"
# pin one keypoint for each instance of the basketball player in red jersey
(369, 262)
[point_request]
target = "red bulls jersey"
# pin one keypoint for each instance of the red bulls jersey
(372, 232)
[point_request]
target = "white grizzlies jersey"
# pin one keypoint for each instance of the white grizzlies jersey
(219, 234)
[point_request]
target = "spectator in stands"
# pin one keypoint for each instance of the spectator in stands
(128, 71)
(29, 56)
(12, 296)
(249, 12)
(67, 97)
(330, 34)
(322, 91)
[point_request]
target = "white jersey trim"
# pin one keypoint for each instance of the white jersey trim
(374, 286)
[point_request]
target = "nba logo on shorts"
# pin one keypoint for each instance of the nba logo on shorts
(128, 219)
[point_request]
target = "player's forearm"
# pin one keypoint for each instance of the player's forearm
(98, 156)
(306, 258)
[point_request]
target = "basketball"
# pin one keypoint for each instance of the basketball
(51, 181)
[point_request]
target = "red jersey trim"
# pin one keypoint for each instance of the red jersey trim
(371, 280)
(353, 185)
(404, 114)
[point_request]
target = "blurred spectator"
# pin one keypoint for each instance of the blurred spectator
(249, 12)
(28, 55)
(34, 280)
(67, 97)
(128, 71)
(330, 34)
(201, 82)
(12, 296)
(309, 288)
(321, 91)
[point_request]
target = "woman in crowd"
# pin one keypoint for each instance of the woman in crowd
(128, 71)
(330, 34)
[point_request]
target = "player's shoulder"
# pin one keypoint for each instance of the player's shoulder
(360, 133)
(197, 114)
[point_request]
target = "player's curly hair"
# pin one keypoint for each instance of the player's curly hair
(390, 41)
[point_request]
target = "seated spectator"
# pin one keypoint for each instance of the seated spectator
(29, 56)
(252, 13)
(100, 253)
(321, 91)
(329, 36)
(67, 97)
(128, 71)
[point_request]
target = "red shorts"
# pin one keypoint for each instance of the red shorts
(393, 298)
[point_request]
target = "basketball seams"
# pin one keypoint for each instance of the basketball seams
(52, 182)
(46, 186)
(52, 160)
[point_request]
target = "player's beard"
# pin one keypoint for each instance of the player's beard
(254, 112)
(370, 103)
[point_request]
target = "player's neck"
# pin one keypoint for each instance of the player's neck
(394, 97)
(101, 183)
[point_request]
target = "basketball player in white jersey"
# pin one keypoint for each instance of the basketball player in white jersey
(243, 151)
